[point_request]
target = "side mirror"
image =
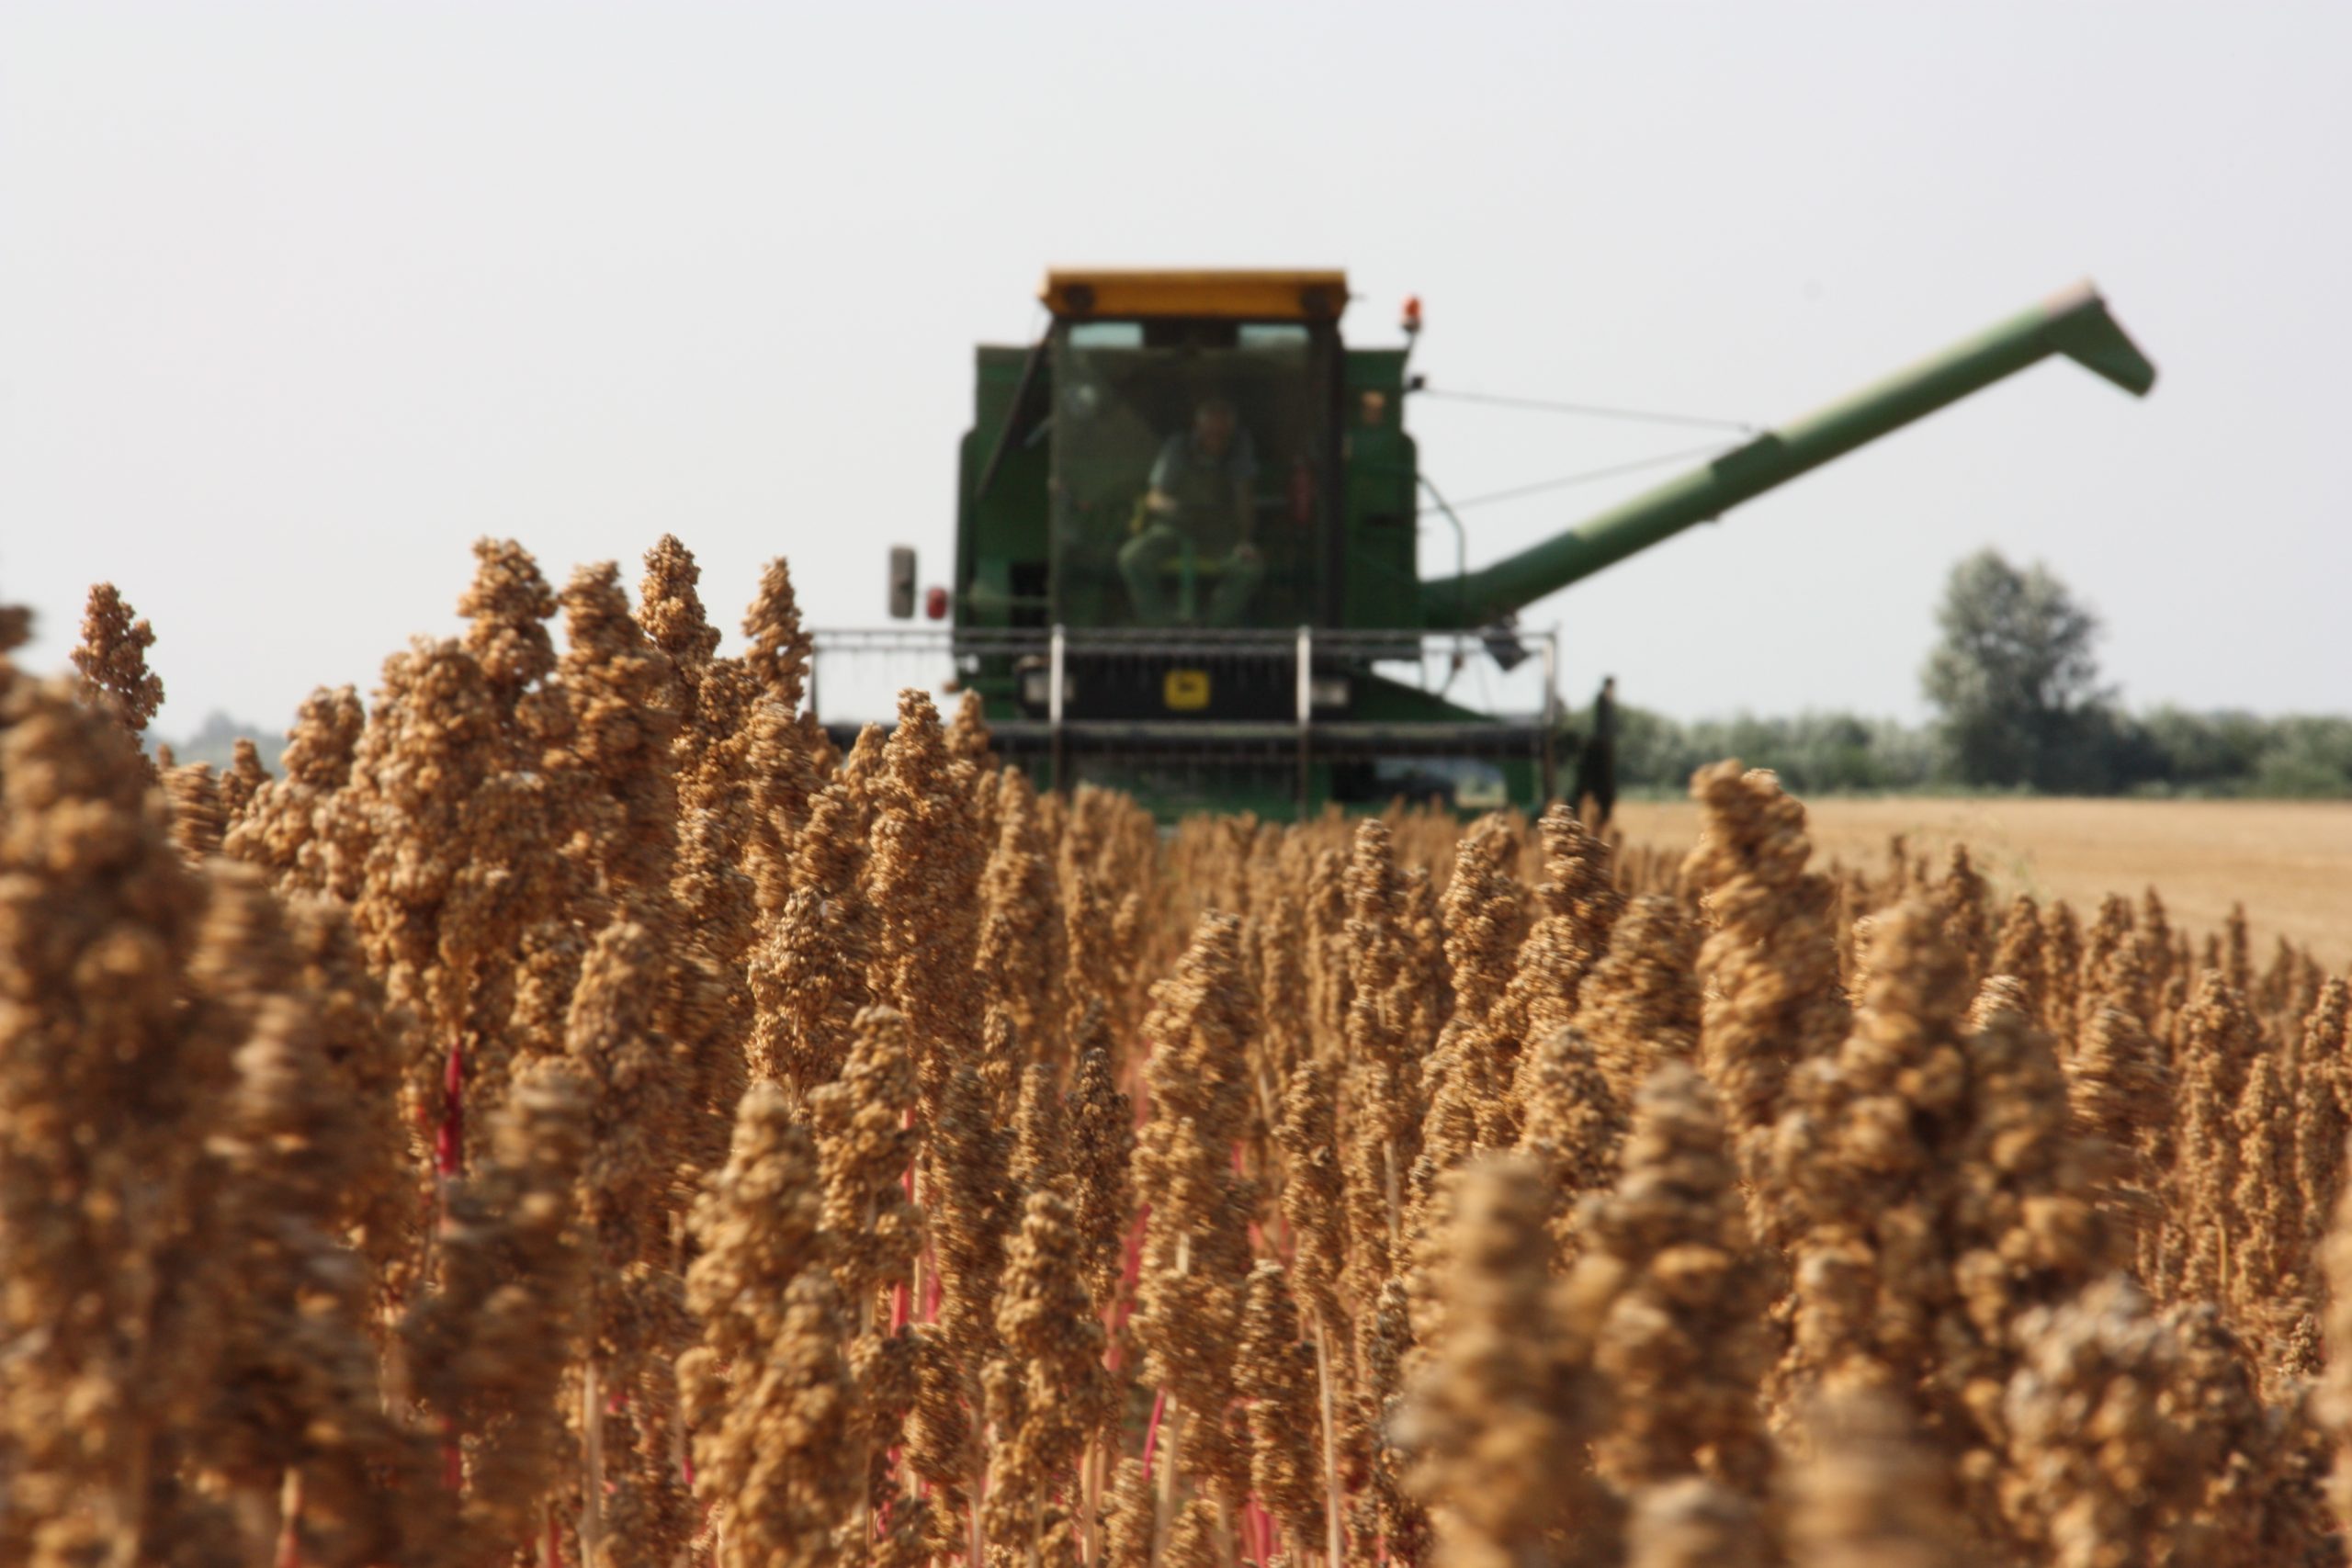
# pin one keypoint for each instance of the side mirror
(902, 583)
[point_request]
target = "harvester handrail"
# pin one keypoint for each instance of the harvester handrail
(1348, 643)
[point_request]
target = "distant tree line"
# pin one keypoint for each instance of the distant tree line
(2165, 752)
(2019, 705)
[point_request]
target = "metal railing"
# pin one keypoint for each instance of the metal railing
(1430, 662)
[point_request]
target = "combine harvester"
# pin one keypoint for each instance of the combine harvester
(1187, 557)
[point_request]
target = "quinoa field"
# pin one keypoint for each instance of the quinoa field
(558, 1110)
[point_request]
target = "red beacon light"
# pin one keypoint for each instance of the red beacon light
(935, 604)
(1412, 314)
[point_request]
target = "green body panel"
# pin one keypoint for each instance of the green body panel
(2075, 323)
(1381, 574)
(1000, 542)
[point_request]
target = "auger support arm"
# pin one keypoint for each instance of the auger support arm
(2073, 322)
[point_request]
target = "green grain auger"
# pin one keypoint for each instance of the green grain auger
(1187, 555)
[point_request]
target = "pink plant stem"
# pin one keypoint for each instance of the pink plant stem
(1112, 1320)
(289, 1528)
(1261, 1530)
(449, 1138)
(1152, 1431)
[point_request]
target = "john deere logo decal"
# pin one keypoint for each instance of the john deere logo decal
(1186, 690)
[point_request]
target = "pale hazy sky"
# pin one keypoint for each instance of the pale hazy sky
(297, 301)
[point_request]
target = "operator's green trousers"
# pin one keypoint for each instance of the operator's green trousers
(1159, 564)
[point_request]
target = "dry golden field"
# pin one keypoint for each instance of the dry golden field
(2289, 863)
(572, 1113)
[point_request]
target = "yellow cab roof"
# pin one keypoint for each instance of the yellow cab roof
(1256, 296)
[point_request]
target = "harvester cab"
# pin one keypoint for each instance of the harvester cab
(1187, 556)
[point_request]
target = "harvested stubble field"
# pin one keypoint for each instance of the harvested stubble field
(2289, 863)
(572, 1115)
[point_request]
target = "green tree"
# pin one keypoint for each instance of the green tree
(2015, 682)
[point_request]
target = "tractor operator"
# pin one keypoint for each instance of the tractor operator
(1201, 508)
(1597, 764)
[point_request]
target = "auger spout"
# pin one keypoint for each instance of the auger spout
(2073, 322)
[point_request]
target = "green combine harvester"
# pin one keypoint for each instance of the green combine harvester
(1187, 548)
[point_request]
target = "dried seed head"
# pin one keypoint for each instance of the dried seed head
(242, 780)
(1020, 954)
(2323, 1107)
(623, 698)
(1040, 1136)
(784, 1464)
(2112, 972)
(286, 825)
(669, 608)
(1054, 1350)
(374, 1132)
(509, 604)
(1313, 1194)
(2333, 1403)
(2062, 946)
(1673, 1301)
(1483, 912)
(967, 736)
(2216, 1043)
(1466, 1079)
(940, 1435)
(1199, 1033)
(319, 747)
(1871, 1495)
(864, 1147)
(2267, 1265)
(807, 975)
(1128, 1517)
(1276, 1373)
(756, 1225)
(1194, 1541)
(106, 1093)
(489, 1350)
(2118, 1095)
(1102, 1139)
(198, 818)
(778, 656)
(1196, 1247)
(1504, 1407)
(1968, 922)
(640, 1117)
(1383, 1057)
(2102, 1468)
(112, 659)
(1695, 1523)
(1578, 905)
(1640, 1005)
(2018, 954)
(971, 1206)
(1574, 1125)
(922, 875)
(1769, 968)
